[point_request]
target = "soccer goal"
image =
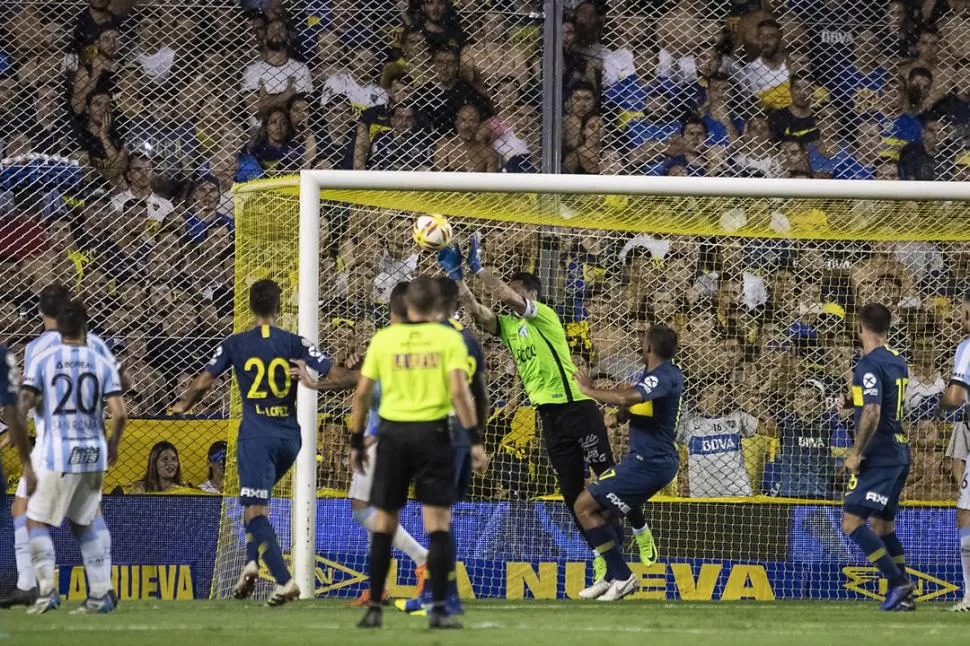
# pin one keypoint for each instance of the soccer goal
(760, 278)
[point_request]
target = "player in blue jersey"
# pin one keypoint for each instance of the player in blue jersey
(955, 397)
(69, 384)
(52, 298)
(878, 462)
(269, 435)
(654, 405)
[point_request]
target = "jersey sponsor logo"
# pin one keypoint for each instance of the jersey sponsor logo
(417, 360)
(618, 503)
(247, 492)
(714, 444)
(869, 380)
(868, 582)
(872, 496)
(812, 443)
(650, 383)
(525, 354)
(84, 455)
(835, 37)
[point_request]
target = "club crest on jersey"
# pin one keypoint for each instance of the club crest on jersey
(869, 380)
(650, 383)
(523, 330)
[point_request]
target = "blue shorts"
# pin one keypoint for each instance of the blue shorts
(875, 492)
(463, 458)
(262, 461)
(633, 481)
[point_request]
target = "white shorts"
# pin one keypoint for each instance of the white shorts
(76, 496)
(22, 485)
(360, 485)
(963, 500)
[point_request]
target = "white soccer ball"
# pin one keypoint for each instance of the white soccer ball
(431, 231)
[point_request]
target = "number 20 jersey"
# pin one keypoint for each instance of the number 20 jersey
(261, 359)
(73, 382)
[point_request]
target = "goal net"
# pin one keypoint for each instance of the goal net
(761, 281)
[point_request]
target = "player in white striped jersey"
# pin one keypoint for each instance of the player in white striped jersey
(955, 397)
(52, 299)
(68, 385)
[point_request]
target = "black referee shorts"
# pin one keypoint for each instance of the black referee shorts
(575, 437)
(418, 452)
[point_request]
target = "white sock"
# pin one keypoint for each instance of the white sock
(42, 558)
(402, 540)
(21, 548)
(92, 554)
(965, 559)
(406, 543)
(642, 530)
(105, 537)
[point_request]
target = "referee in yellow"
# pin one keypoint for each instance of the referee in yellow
(422, 367)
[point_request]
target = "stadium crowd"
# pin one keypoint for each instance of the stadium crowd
(164, 106)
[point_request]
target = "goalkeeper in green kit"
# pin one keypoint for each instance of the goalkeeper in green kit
(572, 425)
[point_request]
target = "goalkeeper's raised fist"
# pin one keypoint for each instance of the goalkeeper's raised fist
(450, 259)
(475, 253)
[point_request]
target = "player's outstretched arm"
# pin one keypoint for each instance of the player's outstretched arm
(360, 407)
(200, 386)
(119, 419)
(450, 260)
(495, 286)
(955, 396)
(620, 396)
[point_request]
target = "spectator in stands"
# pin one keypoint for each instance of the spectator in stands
(923, 159)
(99, 139)
(163, 473)
(928, 58)
(860, 158)
(907, 126)
(954, 108)
(335, 143)
(99, 73)
(204, 211)
(140, 197)
(439, 27)
(676, 60)
(897, 34)
(576, 67)
(159, 58)
(714, 110)
(930, 478)
(273, 80)
(691, 152)
(441, 99)
(217, 468)
(765, 80)
(713, 435)
(857, 84)
(377, 119)
(584, 158)
(589, 33)
(812, 439)
(887, 169)
(796, 122)
(755, 153)
(405, 146)
(303, 124)
(96, 18)
(357, 82)
(274, 152)
(491, 56)
(794, 157)
(145, 395)
(411, 56)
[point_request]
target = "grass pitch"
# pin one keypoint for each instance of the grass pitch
(533, 623)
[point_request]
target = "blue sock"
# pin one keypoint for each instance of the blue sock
(604, 539)
(269, 548)
(875, 550)
(895, 549)
(252, 548)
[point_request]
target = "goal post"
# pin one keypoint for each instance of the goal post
(818, 221)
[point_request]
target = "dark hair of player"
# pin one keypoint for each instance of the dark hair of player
(398, 300)
(663, 341)
(876, 318)
(264, 298)
(448, 295)
(72, 320)
(422, 295)
(531, 282)
(52, 299)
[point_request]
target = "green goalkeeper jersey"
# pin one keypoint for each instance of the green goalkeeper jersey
(538, 344)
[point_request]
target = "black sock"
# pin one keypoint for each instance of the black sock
(439, 565)
(380, 563)
(635, 518)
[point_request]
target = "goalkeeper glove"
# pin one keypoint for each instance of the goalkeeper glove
(450, 259)
(475, 253)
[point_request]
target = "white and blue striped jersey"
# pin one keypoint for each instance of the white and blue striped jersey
(961, 365)
(47, 340)
(73, 382)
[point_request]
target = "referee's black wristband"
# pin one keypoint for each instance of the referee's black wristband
(473, 435)
(357, 440)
